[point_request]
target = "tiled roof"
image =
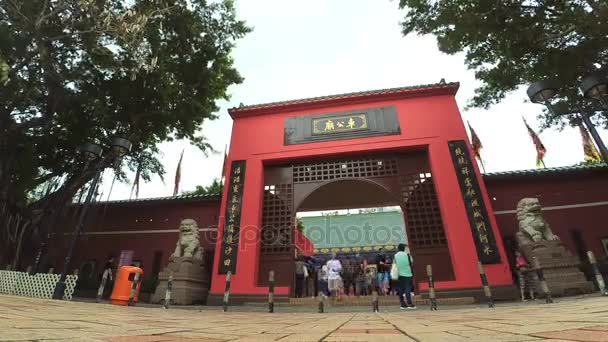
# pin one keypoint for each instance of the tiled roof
(488, 176)
(428, 87)
(207, 197)
(547, 171)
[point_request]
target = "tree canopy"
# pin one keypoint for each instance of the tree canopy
(215, 188)
(513, 43)
(76, 71)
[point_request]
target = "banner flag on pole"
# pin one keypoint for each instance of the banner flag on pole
(477, 146)
(136, 182)
(178, 174)
(540, 148)
(591, 153)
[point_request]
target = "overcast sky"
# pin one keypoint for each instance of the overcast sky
(318, 47)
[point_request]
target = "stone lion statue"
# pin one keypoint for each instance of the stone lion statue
(532, 225)
(188, 244)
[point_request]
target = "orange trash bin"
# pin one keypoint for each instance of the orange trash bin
(124, 283)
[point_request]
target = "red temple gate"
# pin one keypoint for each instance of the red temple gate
(409, 144)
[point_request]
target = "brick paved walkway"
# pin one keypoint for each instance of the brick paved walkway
(26, 319)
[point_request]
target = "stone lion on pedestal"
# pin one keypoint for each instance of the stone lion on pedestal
(532, 225)
(188, 243)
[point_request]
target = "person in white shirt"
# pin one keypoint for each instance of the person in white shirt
(334, 267)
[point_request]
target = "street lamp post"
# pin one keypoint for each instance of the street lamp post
(120, 147)
(593, 86)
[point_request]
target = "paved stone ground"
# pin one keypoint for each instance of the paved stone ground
(27, 319)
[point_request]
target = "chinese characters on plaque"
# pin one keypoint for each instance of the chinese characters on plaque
(232, 222)
(483, 235)
(339, 124)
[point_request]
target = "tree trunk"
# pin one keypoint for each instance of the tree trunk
(24, 227)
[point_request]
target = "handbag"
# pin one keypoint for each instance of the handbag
(394, 271)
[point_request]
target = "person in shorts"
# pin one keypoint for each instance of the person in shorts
(334, 267)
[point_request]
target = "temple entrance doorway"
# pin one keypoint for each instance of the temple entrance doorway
(348, 205)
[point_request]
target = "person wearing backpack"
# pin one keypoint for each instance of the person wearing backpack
(404, 283)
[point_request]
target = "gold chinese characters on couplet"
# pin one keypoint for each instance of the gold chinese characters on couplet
(476, 210)
(230, 240)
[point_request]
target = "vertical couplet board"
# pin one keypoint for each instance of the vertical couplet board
(485, 242)
(230, 240)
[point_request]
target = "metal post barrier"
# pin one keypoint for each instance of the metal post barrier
(321, 303)
(522, 284)
(432, 297)
(486, 287)
(541, 280)
(375, 301)
(167, 302)
(227, 291)
(131, 301)
(271, 291)
(598, 276)
(102, 285)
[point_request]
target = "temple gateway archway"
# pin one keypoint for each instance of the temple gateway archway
(405, 146)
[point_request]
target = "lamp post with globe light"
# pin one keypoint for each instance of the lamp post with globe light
(594, 86)
(92, 152)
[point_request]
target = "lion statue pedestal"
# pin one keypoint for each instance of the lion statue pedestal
(535, 239)
(190, 280)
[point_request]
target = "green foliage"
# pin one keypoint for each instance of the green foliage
(88, 70)
(513, 43)
(216, 187)
(4, 69)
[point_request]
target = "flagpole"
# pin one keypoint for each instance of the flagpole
(223, 164)
(483, 167)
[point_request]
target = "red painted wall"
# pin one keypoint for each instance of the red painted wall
(123, 220)
(573, 189)
(429, 121)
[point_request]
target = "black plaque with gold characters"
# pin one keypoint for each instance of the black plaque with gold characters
(232, 222)
(350, 124)
(481, 227)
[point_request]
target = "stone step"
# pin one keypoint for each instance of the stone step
(367, 300)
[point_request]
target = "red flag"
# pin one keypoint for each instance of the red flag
(178, 174)
(591, 153)
(477, 146)
(540, 148)
(475, 142)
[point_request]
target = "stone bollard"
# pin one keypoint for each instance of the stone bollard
(168, 292)
(486, 287)
(541, 280)
(375, 302)
(29, 270)
(227, 292)
(321, 303)
(102, 285)
(131, 301)
(51, 270)
(271, 291)
(598, 276)
(432, 297)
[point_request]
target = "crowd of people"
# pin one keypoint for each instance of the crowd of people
(354, 275)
